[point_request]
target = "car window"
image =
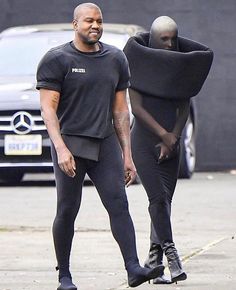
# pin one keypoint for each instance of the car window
(20, 54)
(117, 39)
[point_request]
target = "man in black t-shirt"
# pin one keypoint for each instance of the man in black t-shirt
(83, 99)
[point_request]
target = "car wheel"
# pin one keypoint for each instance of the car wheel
(13, 175)
(188, 150)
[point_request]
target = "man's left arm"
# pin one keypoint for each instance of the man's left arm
(121, 121)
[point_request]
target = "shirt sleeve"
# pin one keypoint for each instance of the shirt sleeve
(50, 73)
(124, 79)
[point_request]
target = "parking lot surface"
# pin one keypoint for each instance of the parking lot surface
(204, 214)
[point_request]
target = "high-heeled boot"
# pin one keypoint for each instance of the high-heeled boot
(174, 263)
(138, 275)
(154, 259)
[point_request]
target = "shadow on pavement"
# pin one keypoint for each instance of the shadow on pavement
(35, 183)
(28, 183)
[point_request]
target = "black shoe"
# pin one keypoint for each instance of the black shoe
(66, 284)
(154, 259)
(138, 275)
(181, 277)
(176, 271)
(162, 279)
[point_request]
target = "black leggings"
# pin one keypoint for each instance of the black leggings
(159, 181)
(108, 177)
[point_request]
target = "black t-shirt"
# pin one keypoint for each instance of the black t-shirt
(87, 83)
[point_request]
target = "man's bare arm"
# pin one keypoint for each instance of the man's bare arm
(49, 101)
(121, 121)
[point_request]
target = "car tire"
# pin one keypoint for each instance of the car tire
(188, 150)
(11, 176)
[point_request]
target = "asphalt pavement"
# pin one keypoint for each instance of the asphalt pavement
(203, 218)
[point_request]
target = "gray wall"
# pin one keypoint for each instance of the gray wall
(210, 22)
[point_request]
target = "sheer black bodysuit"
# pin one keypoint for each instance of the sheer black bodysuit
(158, 121)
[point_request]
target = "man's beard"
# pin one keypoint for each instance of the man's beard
(91, 42)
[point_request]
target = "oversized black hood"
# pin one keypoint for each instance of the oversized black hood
(165, 73)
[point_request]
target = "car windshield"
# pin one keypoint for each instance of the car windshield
(20, 54)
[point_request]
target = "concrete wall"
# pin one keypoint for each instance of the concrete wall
(211, 22)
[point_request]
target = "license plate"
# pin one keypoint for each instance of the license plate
(23, 145)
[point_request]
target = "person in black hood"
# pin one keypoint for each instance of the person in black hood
(160, 92)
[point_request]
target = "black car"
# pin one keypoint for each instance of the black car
(24, 142)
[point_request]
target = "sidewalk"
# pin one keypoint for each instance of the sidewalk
(204, 214)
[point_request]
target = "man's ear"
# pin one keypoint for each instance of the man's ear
(75, 24)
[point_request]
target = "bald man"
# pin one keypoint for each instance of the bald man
(87, 118)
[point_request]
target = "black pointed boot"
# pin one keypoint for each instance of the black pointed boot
(176, 271)
(154, 259)
(138, 275)
(65, 279)
(66, 284)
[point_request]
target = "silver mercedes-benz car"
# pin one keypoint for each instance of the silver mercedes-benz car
(24, 142)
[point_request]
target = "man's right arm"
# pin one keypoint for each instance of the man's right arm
(49, 101)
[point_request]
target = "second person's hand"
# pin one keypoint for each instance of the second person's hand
(170, 140)
(164, 153)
